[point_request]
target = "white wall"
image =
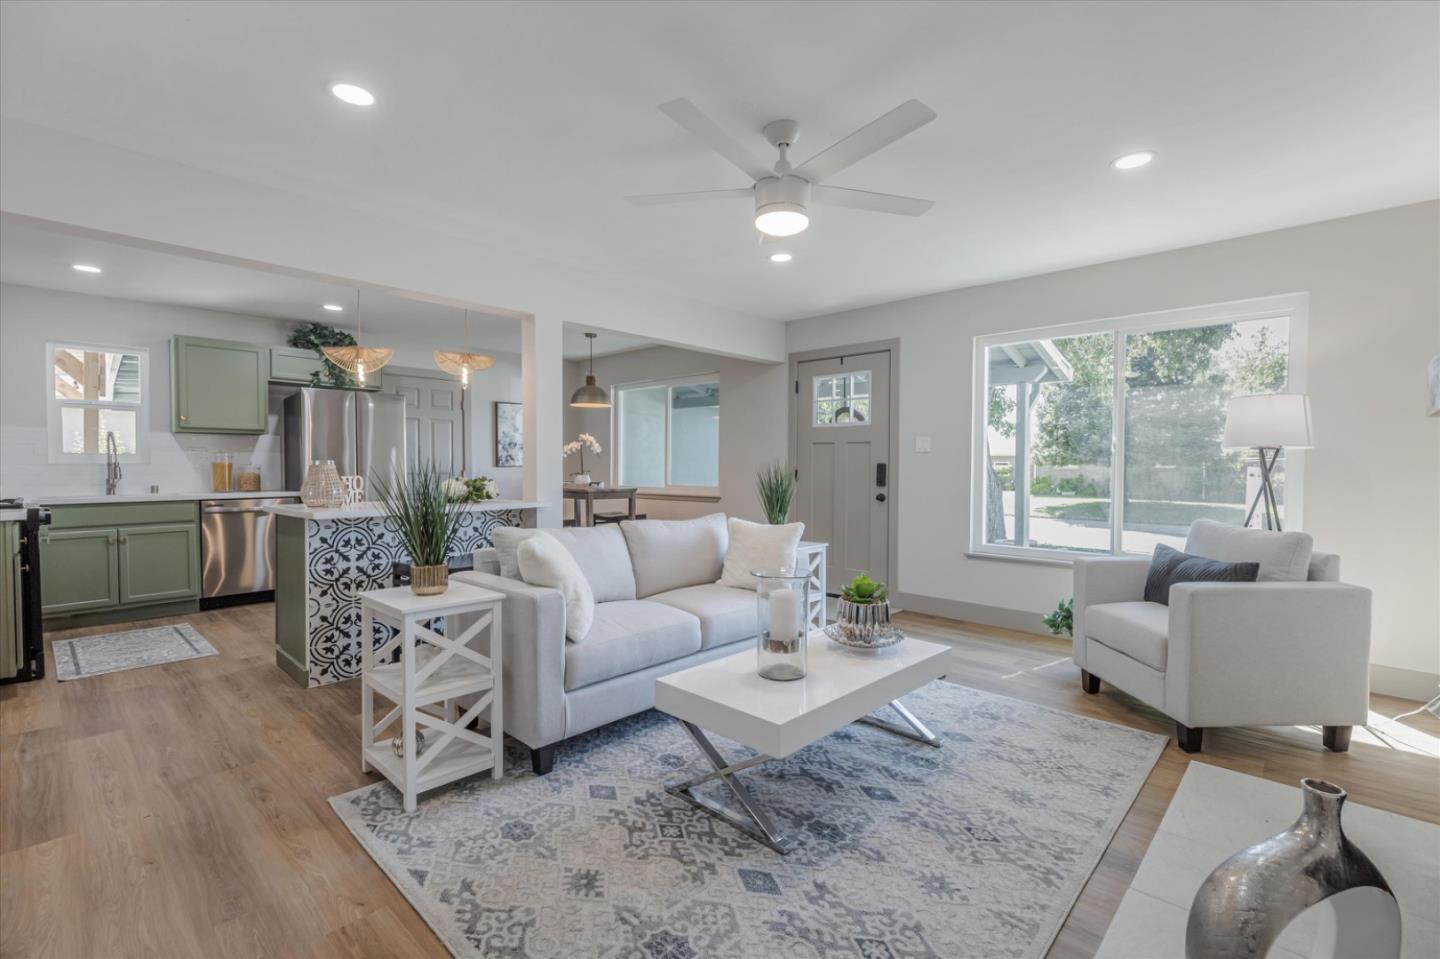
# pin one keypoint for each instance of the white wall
(501, 382)
(1372, 483)
(752, 422)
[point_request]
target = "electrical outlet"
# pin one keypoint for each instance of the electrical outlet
(922, 444)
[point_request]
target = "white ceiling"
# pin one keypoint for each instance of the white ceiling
(524, 124)
(37, 257)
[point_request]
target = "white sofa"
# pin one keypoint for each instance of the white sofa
(658, 608)
(1292, 648)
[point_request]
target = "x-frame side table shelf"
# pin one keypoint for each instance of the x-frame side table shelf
(432, 674)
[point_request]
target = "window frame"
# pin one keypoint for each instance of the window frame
(54, 405)
(670, 383)
(1293, 306)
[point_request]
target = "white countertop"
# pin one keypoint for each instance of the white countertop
(375, 509)
(156, 497)
(12, 515)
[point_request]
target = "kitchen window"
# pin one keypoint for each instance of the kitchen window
(95, 392)
(668, 435)
(1105, 437)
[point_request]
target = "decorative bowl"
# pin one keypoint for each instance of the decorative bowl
(864, 637)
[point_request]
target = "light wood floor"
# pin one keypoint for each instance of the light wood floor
(180, 810)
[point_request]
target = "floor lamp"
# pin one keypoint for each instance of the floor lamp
(1267, 423)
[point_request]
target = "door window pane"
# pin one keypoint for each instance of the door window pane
(842, 399)
(1177, 385)
(641, 418)
(695, 435)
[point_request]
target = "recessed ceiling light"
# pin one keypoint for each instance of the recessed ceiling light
(780, 258)
(353, 95)
(1132, 161)
(86, 268)
(334, 307)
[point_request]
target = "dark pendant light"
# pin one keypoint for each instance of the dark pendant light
(590, 396)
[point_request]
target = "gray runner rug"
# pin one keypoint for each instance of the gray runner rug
(132, 649)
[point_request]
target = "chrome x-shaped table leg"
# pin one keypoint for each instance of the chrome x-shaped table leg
(756, 823)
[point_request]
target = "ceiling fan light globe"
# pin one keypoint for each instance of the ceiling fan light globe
(781, 219)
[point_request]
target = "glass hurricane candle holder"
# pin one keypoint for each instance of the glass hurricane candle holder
(782, 598)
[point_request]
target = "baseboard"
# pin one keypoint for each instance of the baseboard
(121, 614)
(971, 612)
(1404, 683)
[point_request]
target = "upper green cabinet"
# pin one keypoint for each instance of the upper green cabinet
(289, 364)
(219, 386)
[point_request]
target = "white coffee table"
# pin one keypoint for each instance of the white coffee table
(841, 686)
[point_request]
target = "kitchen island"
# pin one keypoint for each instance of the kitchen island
(324, 560)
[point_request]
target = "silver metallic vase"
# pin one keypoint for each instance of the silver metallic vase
(1247, 902)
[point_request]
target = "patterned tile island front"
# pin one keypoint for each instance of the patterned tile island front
(324, 560)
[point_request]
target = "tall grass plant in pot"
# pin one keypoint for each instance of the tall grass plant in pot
(427, 521)
(775, 485)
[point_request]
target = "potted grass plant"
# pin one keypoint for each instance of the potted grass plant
(427, 521)
(775, 485)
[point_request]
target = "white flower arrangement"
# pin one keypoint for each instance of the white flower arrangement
(583, 441)
(477, 490)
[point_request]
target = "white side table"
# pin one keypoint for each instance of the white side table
(432, 673)
(810, 558)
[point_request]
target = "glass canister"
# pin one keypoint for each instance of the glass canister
(248, 479)
(322, 488)
(222, 472)
(782, 596)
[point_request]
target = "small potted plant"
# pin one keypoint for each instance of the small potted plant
(427, 521)
(1063, 619)
(775, 485)
(863, 613)
(579, 445)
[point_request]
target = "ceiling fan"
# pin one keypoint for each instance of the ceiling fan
(782, 193)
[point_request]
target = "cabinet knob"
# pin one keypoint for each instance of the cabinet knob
(110, 541)
(124, 539)
(184, 418)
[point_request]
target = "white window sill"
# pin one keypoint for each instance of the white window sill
(1061, 561)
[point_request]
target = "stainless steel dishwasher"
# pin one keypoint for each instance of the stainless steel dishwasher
(237, 550)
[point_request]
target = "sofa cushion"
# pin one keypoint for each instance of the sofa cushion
(603, 557)
(1283, 557)
(629, 635)
(726, 614)
(671, 553)
(544, 562)
(755, 546)
(1170, 566)
(1139, 630)
(507, 540)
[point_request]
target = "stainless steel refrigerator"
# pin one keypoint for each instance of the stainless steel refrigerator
(364, 433)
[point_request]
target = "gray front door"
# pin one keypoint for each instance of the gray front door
(843, 433)
(434, 420)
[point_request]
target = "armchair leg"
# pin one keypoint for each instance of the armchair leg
(1188, 739)
(1337, 738)
(1089, 682)
(542, 760)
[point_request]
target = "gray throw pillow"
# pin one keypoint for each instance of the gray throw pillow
(1170, 566)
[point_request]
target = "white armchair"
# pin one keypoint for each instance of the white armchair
(1268, 653)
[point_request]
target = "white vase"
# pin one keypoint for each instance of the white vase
(581, 479)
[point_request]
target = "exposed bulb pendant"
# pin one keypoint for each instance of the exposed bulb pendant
(461, 363)
(357, 359)
(590, 396)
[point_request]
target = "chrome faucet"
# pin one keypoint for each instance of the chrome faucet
(112, 464)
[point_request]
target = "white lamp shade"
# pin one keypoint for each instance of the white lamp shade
(1269, 420)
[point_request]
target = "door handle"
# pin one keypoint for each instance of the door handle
(880, 474)
(879, 497)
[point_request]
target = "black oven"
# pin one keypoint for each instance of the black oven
(31, 659)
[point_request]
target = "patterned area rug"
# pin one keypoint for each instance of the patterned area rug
(976, 849)
(132, 649)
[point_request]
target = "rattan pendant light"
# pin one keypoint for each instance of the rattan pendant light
(590, 396)
(358, 360)
(463, 364)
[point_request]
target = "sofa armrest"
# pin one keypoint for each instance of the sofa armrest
(533, 626)
(1105, 579)
(1267, 654)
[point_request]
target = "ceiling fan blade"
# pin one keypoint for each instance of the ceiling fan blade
(865, 200)
(706, 130)
(655, 199)
(906, 118)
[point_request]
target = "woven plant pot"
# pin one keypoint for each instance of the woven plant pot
(429, 580)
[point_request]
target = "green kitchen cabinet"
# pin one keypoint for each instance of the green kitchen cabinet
(79, 570)
(219, 386)
(290, 364)
(159, 563)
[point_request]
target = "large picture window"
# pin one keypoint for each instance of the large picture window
(668, 434)
(1106, 437)
(95, 393)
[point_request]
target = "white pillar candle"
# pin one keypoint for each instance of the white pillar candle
(785, 614)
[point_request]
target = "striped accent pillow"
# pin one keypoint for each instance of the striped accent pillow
(1170, 566)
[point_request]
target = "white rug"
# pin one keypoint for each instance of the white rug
(902, 851)
(132, 649)
(1216, 813)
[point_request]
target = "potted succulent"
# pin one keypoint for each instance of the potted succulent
(427, 521)
(863, 610)
(775, 485)
(579, 445)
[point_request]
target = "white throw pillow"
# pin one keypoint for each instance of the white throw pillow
(507, 540)
(544, 562)
(758, 546)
